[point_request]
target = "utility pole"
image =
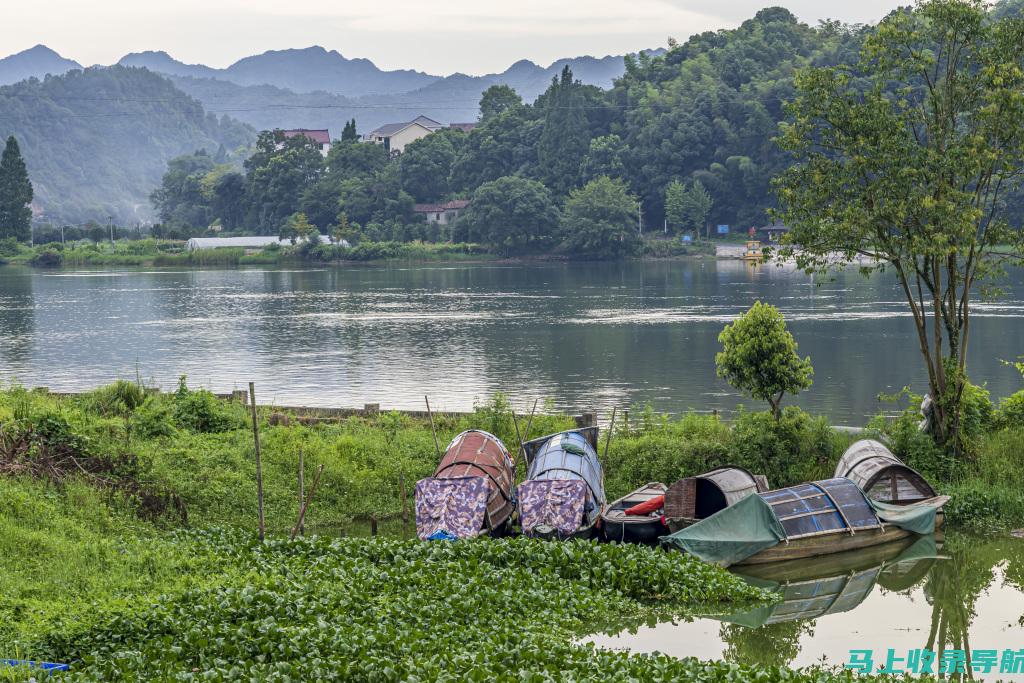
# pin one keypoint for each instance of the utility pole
(62, 233)
(640, 217)
(110, 222)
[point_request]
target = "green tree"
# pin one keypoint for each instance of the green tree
(599, 220)
(228, 201)
(759, 357)
(504, 145)
(426, 163)
(349, 133)
(565, 138)
(697, 203)
(675, 204)
(183, 199)
(297, 227)
(513, 214)
(497, 99)
(351, 158)
(906, 159)
(605, 156)
(15, 194)
(278, 173)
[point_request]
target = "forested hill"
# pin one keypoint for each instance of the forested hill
(97, 141)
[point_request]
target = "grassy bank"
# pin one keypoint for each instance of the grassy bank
(126, 544)
(153, 252)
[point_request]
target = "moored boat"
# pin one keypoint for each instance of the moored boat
(563, 495)
(637, 517)
(881, 475)
(690, 500)
(470, 492)
(809, 520)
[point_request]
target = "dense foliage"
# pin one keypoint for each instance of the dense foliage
(700, 119)
(97, 141)
(907, 158)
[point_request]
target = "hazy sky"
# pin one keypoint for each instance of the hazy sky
(438, 36)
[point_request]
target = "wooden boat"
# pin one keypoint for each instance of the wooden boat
(470, 492)
(690, 500)
(563, 495)
(881, 475)
(619, 526)
(809, 520)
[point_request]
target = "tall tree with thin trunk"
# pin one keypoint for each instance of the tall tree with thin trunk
(904, 162)
(15, 194)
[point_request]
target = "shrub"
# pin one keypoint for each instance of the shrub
(9, 247)
(48, 258)
(793, 449)
(120, 398)
(1011, 411)
(200, 411)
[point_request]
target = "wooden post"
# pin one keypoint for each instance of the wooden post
(608, 439)
(373, 524)
(259, 465)
(405, 501)
(305, 504)
(302, 491)
(430, 414)
(518, 435)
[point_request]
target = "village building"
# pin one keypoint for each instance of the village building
(321, 137)
(443, 213)
(464, 127)
(395, 136)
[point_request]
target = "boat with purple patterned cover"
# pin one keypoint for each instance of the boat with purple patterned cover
(471, 490)
(563, 495)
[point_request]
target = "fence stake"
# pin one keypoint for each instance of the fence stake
(373, 524)
(259, 465)
(305, 504)
(430, 414)
(405, 502)
(302, 489)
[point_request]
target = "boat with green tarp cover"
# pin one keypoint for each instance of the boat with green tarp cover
(812, 519)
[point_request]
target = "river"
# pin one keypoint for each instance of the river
(584, 335)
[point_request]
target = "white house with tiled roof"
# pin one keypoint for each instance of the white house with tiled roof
(395, 136)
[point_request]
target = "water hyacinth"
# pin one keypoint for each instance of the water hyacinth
(390, 610)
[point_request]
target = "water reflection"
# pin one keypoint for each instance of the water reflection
(955, 593)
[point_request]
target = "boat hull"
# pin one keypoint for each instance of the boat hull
(644, 532)
(827, 544)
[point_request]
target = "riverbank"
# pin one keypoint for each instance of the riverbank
(111, 557)
(165, 253)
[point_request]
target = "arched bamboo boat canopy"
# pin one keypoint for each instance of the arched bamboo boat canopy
(471, 490)
(881, 475)
(694, 498)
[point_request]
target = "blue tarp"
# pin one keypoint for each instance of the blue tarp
(44, 666)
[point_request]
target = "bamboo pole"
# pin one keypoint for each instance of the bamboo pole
(433, 429)
(305, 503)
(259, 465)
(608, 439)
(302, 489)
(519, 436)
(405, 501)
(529, 423)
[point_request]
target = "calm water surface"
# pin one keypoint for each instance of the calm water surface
(585, 335)
(953, 593)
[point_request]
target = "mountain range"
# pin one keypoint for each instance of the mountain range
(317, 88)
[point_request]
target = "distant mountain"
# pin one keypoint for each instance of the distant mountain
(163, 63)
(304, 70)
(97, 141)
(35, 62)
(454, 98)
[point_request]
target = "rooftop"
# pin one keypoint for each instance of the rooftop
(320, 136)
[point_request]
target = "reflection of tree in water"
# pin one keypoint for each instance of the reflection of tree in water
(17, 316)
(770, 645)
(953, 587)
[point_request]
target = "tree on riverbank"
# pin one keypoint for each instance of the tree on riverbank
(759, 357)
(15, 194)
(908, 158)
